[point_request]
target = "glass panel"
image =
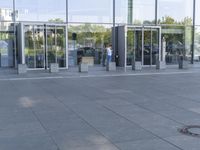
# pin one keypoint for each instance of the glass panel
(138, 45)
(178, 42)
(197, 45)
(6, 34)
(147, 47)
(132, 11)
(6, 8)
(36, 50)
(6, 49)
(197, 12)
(39, 46)
(134, 45)
(122, 8)
(88, 40)
(155, 45)
(51, 44)
(130, 46)
(61, 48)
(41, 10)
(29, 46)
(139, 16)
(91, 11)
(169, 13)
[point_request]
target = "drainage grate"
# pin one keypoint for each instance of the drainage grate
(192, 130)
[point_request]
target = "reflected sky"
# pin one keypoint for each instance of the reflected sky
(99, 10)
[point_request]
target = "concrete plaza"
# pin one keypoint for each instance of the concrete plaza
(119, 111)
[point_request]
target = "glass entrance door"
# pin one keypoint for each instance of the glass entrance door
(147, 47)
(143, 45)
(150, 46)
(34, 46)
(44, 44)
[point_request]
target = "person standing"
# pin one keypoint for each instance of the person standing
(109, 53)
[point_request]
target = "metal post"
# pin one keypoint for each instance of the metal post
(66, 34)
(14, 30)
(156, 12)
(66, 46)
(193, 30)
(67, 12)
(113, 35)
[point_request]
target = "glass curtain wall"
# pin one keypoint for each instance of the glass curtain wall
(176, 21)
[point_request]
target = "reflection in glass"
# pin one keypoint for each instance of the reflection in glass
(155, 46)
(178, 42)
(56, 45)
(134, 45)
(142, 43)
(29, 46)
(123, 11)
(197, 19)
(51, 44)
(39, 46)
(143, 12)
(88, 40)
(36, 51)
(98, 11)
(41, 10)
(197, 45)
(147, 47)
(34, 46)
(60, 41)
(130, 46)
(175, 12)
(6, 49)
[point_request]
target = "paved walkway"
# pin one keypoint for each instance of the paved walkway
(99, 110)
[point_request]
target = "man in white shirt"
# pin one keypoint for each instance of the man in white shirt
(109, 53)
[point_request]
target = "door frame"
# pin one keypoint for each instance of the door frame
(142, 29)
(21, 46)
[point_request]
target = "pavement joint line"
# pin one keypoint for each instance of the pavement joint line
(96, 76)
(43, 126)
(159, 137)
(82, 118)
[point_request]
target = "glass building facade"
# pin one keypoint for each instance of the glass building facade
(53, 31)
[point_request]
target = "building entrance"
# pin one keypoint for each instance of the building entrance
(42, 44)
(140, 44)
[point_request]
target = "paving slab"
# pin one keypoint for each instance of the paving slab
(155, 144)
(185, 142)
(99, 110)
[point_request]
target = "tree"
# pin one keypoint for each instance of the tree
(167, 20)
(98, 33)
(56, 20)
